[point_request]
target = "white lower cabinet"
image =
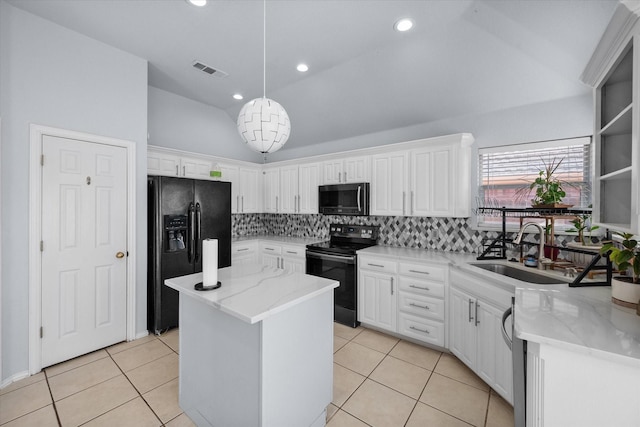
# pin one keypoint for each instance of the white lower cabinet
(288, 257)
(294, 258)
(475, 335)
(377, 299)
(244, 253)
(401, 297)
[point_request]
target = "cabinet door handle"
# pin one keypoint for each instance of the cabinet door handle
(238, 204)
(403, 202)
(292, 252)
(339, 176)
(242, 249)
(177, 171)
(411, 202)
(269, 249)
(470, 315)
(242, 200)
(375, 265)
(418, 271)
(392, 286)
(184, 171)
(276, 204)
(419, 287)
(426, 307)
(418, 329)
(477, 320)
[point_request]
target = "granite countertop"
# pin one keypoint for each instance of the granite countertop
(579, 319)
(253, 293)
(279, 239)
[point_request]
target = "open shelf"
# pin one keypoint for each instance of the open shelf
(620, 124)
(624, 173)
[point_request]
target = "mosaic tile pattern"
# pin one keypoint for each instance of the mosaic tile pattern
(443, 234)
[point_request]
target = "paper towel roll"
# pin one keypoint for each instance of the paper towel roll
(209, 262)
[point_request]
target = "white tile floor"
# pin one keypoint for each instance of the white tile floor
(378, 381)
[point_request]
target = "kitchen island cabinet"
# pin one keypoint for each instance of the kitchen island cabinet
(258, 351)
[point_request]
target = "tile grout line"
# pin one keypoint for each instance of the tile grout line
(137, 391)
(53, 402)
(388, 354)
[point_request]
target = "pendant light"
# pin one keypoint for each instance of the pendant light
(262, 123)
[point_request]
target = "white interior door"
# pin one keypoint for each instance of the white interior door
(84, 238)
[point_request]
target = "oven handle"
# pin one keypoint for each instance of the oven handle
(348, 259)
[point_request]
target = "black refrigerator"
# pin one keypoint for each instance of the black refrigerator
(182, 212)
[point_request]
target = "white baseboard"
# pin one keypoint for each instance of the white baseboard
(12, 379)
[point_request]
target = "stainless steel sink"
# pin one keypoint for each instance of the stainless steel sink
(516, 273)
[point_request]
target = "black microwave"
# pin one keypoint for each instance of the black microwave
(344, 199)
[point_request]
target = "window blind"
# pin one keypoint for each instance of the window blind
(506, 172)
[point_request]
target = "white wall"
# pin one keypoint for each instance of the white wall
(562, 118)
(54, 77)
(184, 124)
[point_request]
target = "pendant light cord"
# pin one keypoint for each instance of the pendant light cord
(264, 49)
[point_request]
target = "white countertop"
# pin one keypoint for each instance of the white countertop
(253, 293)
(579, 319)
(406, 254)
(280, 239)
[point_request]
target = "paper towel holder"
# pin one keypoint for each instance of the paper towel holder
(200, 287)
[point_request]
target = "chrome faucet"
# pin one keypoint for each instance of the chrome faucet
(518, 240)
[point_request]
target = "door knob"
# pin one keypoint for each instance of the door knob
(120, 255)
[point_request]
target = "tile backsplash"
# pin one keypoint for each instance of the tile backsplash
(444, 234)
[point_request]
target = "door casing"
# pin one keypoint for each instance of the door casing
(35, 236)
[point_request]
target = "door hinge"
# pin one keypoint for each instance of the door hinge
(41, 331)
(41, 246)
(41, 159)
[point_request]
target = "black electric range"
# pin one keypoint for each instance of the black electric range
(336, 259)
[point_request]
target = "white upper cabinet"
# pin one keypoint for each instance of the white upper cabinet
(271, 190)
(288, 189)
(429, 178)
(245, 197)
(389, 183)
(231, 173)
(168, 164)
(308, 181)
(351, 169)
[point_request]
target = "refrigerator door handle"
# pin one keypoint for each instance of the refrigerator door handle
(198, 230)
(190, 247)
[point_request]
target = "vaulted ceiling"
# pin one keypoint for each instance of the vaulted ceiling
(461, 57)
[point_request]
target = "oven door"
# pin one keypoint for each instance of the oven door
(342, 268)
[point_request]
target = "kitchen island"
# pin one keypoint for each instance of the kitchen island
(258, 351)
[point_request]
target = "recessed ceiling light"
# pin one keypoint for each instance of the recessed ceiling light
(237, 96)
(302, 68)
(198, 3)
(404, 24)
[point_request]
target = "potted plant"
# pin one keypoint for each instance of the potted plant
(625, 290)
(582, 224)
(548, 188)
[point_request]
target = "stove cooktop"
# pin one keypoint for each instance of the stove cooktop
(347, 239)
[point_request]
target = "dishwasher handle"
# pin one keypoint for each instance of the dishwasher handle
(505, 335)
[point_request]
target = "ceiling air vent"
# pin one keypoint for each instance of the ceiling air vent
(209, 70)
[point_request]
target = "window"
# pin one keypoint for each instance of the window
(505, 173)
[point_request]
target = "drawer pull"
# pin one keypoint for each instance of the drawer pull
(292, 252)
(269, 249)
(426, 307)
(375, 265)
(418, 271)
(242, 249)
(419, 287)
(419, 330)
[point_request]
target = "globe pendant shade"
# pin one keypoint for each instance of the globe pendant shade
(264, 125)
